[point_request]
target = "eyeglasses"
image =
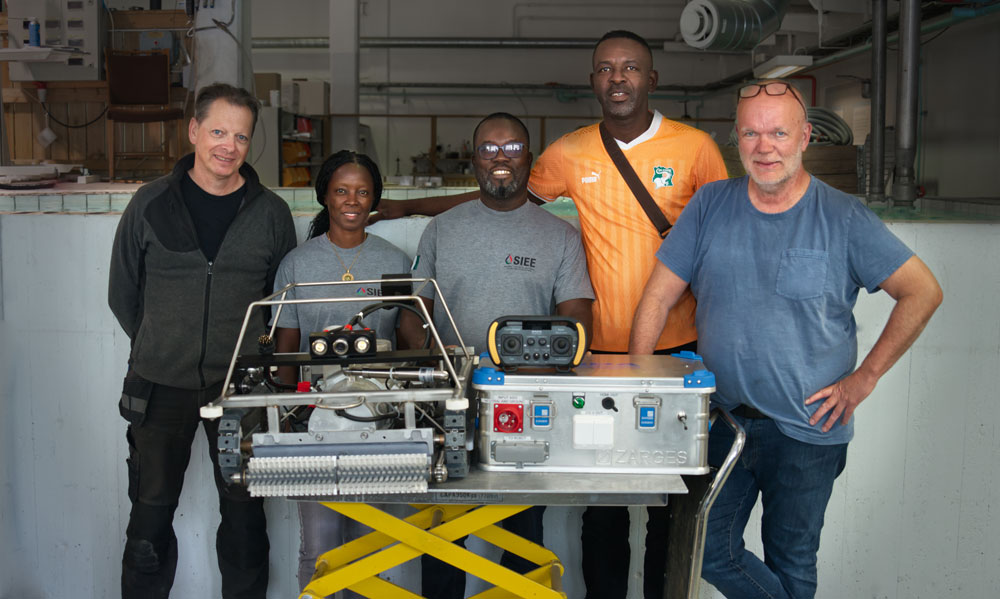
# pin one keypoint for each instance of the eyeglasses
(511, 149)
(774, 88)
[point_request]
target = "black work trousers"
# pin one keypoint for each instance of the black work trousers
(159, 451)
(606, 551)
(605, 547)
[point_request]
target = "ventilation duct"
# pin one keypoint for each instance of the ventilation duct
(730, 24)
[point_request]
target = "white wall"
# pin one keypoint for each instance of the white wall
(914, 515)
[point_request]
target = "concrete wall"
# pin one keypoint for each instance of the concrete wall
(914, 515)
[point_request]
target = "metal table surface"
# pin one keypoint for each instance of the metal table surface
(535, 488)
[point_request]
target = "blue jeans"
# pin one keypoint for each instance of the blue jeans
(795, 480)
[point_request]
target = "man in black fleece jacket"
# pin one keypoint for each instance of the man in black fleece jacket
(192, 250)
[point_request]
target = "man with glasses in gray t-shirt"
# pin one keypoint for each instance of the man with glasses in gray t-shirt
(498, 256)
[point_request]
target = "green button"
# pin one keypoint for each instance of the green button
(578, 401)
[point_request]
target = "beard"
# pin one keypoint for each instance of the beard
(500, 191)
(772, 182)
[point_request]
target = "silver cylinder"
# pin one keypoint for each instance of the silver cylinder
(904, 185)
(730, 24)
(876, 181)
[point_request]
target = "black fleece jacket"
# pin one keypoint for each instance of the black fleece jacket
(182, 312)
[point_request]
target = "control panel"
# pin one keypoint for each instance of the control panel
(536, 341)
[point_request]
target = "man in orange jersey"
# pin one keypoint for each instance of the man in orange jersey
(672, 161)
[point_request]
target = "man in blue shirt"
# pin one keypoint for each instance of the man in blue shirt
(775, 261)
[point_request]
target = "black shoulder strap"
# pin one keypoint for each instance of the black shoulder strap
(639, 190)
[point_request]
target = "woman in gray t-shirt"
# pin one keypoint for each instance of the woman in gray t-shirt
(348, 187)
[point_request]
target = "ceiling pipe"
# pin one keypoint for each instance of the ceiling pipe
(471, 85)
(721, 85)
(853, 39)
(876, 166)
(957, 16)
(582, 90)
(488, 43)
(972, 200)
(694, 92)
(904, 183)
(730, 24)
(273, 43)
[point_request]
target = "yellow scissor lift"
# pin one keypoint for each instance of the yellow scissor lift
(475, 504)
(432, 530)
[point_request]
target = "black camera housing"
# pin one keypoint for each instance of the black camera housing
(344, 342)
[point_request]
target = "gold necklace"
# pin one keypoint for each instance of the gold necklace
(347, 269)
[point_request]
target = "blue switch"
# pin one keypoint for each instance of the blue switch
(541, 415)
(647, 417)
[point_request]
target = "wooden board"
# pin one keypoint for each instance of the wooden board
(150, 19)
(78, 103)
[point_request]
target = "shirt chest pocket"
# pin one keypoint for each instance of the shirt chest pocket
(802, 273)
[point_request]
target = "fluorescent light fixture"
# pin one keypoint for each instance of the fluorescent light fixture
(781, 66)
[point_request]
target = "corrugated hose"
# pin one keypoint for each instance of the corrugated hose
(829, 129)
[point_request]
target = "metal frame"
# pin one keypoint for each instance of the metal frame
(701, 518)
(229, 399)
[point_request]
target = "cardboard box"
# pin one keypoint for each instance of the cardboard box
(289, 96)
(264, 84)
(314, 96)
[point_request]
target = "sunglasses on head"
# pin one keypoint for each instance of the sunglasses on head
(774, 88)
(511, 149)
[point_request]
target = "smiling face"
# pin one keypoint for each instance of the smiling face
(502, 178)
(623, 77)
(773, 134)
(221, 142)
(349, 197)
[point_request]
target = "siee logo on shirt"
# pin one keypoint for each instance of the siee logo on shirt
(519, 262)
(663, 176)
(368, 291)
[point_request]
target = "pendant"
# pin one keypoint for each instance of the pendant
(347, 276)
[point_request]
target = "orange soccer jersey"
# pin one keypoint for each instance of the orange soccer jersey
(672, 160)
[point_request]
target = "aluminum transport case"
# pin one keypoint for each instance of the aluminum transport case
(612, 414)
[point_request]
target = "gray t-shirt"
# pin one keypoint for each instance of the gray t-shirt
(490, 264)
(315, 260)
